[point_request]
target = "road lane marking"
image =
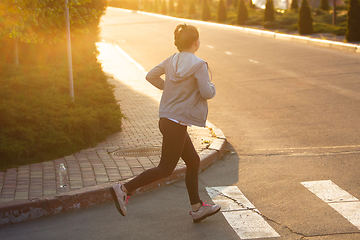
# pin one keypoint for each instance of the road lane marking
(328, 191)
(240, 213)
(253, 61)
(209, 46)
(228, 53)
(340, 200)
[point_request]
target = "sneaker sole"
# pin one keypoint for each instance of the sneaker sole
(205, 216)
(117, 204)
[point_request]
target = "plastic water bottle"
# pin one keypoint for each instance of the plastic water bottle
(62, 175)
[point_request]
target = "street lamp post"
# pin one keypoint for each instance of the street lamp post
(69, 51)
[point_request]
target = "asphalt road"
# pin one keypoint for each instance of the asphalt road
(290, 112)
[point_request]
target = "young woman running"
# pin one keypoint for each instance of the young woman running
(183, 103)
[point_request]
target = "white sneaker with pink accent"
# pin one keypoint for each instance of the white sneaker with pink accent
(205, 210)
(120, 198)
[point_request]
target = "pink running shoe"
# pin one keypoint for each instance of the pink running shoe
(120, 198)
(205, 210)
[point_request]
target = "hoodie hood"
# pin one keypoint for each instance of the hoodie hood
(184, 64)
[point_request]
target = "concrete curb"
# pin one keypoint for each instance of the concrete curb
(90, 196)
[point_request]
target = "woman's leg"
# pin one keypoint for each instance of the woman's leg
(192, 160)
(174, 136)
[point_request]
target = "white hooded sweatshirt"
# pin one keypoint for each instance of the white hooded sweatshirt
(185, 90)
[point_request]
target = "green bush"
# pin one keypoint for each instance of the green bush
(327, 17)
(255, 17)
(328, 28)
(287, 20)
(305, 21)
(39, 121)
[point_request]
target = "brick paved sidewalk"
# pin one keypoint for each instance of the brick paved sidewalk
(122, 156)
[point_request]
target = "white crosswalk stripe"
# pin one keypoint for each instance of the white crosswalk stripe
(340, 200)
(241, 214)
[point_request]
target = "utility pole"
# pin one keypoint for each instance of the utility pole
(69, 51)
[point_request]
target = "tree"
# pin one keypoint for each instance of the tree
(269, 13)
(242, 14)
(17, 20)
(171, 6)
(294, 5)
(156, 6)
(324, 5)
(39, 21)
(252, 4)
(305, 21)
(192, 9)
(353, 22)
(206, 14)
(180, 7)
(235, 3)
(163, 7)
(228, 3)
(221, 11)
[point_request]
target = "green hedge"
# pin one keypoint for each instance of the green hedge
(39, 121)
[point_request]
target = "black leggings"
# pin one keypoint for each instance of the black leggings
(176, 144)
